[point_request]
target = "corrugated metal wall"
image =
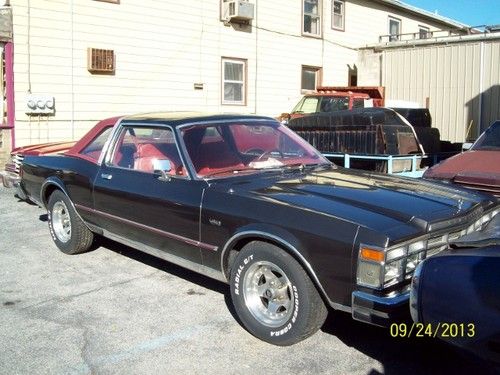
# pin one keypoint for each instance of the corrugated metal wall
(461, 82)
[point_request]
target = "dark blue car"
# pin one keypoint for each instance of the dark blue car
(457, 293)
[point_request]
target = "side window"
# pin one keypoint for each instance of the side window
(309, 105)
(94, 148)
(358, 103)
(394, 29)
(234, 81)
(148, 149)
(311, 78)
(338, 15)
(333, 104)
(423, 32)
(311, 24)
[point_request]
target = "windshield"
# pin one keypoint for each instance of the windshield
(309, 104)
(490, 139)
(230, 148)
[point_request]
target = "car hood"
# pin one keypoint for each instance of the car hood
(375, 201)
(469, 165)
(44, 148)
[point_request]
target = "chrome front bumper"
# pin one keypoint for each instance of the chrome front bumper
(12, 180)
(9, 179)
(380, 311)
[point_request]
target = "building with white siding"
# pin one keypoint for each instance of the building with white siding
(171, 55)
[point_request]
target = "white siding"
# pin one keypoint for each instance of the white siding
(163, 47)
(463, 88)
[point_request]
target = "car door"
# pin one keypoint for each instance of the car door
(142, 206)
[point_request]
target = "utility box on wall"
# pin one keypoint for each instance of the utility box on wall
(5, 24)
(40, 105)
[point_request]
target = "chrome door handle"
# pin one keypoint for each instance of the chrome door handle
(106, 176)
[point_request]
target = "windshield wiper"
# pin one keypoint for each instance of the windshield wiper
(229, 171)
(302, 166)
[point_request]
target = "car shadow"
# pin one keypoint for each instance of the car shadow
(414, 355)
(397, 355)
(163, 265)
(171, 268)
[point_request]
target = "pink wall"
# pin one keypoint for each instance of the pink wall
(9, 89)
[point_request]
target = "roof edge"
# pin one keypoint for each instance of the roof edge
(422, 12)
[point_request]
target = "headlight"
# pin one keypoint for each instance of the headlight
(370, 264)
(393, 271)
(369, 274)
(411, 263)
(378, 268)
(396, 253)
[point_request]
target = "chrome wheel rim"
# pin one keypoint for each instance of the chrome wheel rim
(268, 294)
(61, 222)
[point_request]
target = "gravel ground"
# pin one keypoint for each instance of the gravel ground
(116, 310)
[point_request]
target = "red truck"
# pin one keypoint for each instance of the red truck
(328, 99)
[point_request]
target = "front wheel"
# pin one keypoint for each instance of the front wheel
(273, 296)
(68, 231)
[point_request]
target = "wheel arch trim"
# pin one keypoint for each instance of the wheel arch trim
(54, 181)
(288, 247)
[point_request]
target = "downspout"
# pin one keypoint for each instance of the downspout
(9, 90)
(256, 57)
(481, 68)
(72, 72)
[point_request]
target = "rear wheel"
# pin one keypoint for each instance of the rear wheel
(66, 228)
(273, 296)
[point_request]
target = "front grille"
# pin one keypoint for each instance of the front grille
(17, 160)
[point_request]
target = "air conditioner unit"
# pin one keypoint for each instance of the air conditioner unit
(238, 10)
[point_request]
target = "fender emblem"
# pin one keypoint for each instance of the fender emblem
(215, 222)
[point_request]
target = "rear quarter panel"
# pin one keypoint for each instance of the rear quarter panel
(76, 175)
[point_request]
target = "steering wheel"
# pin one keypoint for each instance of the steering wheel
(254, 151)
(264, 153)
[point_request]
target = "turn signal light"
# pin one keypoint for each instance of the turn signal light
(372, 255)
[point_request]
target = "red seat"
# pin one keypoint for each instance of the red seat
(216, 156)
(147, 153)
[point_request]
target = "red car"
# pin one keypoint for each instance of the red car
(10, 176)
(478, 168)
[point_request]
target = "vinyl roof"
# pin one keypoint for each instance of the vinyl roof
(180, 118)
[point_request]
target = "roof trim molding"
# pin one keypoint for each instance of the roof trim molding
(425, 13)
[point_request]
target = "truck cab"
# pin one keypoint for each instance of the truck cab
(327, 99)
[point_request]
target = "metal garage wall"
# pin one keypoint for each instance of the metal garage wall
(458, 80)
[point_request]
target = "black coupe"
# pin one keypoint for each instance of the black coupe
(245, 200)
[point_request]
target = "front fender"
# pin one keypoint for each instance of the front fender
(285, 240)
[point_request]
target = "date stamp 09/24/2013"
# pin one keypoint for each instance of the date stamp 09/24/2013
(438, 330)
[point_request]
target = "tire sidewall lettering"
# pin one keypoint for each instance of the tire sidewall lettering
(291, 322)
(272, 332)
(239, 272)
(51, 229)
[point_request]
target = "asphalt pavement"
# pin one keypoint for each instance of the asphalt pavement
(116, 310)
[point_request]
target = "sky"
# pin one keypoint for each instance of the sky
(470, 12)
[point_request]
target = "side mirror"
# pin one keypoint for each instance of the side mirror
(162, 167)
(466, 146)
(284, 117)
